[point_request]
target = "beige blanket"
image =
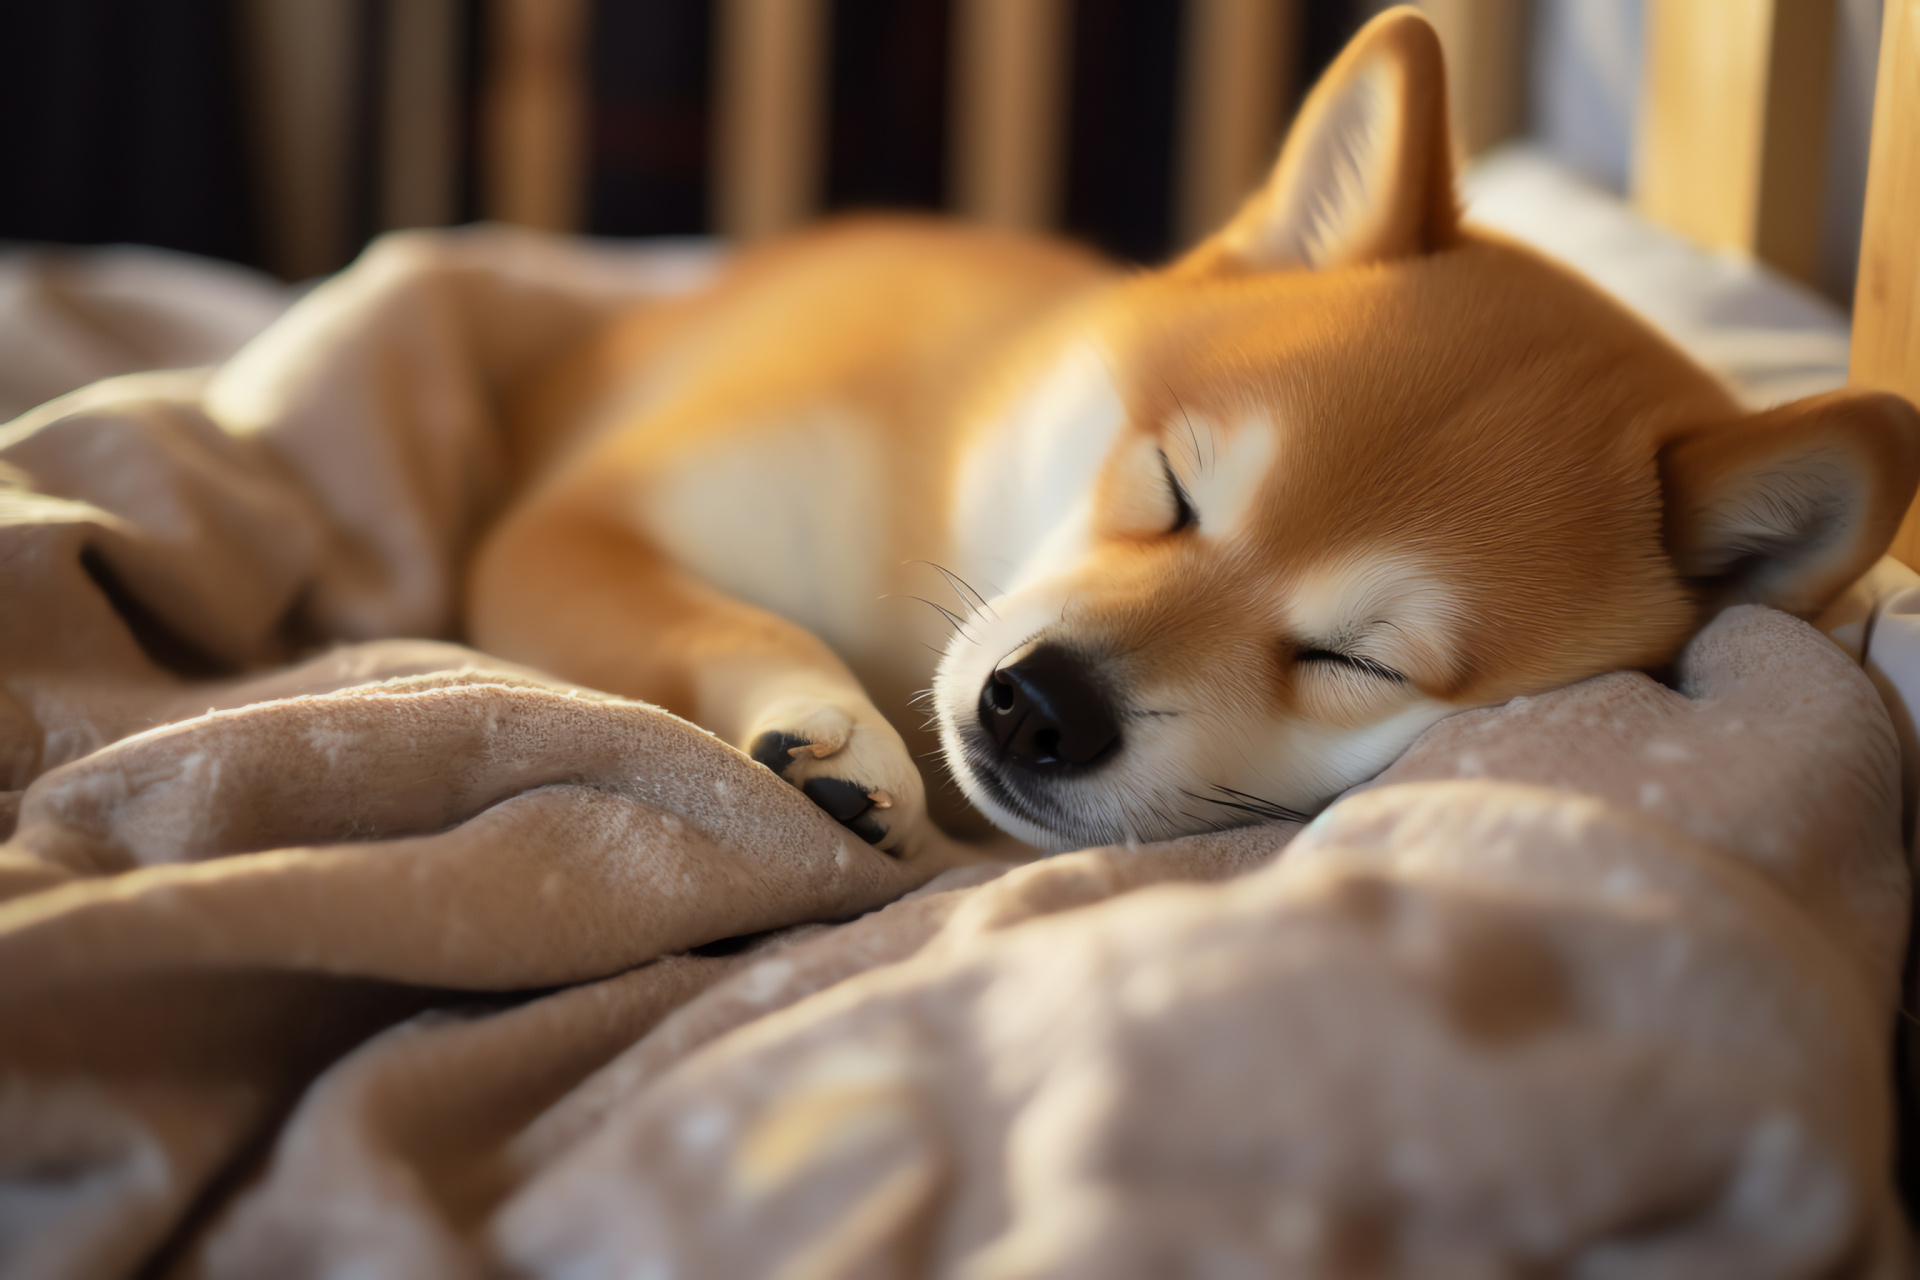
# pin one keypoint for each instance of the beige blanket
(399, 961)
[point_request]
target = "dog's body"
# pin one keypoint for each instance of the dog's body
(1221, 539)
(817, 490)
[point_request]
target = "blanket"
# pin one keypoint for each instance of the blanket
(331, 947)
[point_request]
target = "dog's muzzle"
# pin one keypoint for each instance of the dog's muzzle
(1047, 714)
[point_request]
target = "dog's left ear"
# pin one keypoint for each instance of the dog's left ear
(1789, 506)
(1365, 174)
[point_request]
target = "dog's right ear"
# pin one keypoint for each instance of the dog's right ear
(1365, 174)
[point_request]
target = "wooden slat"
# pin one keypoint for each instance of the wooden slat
(771, 81)
(1009, 102)
(535, 113)
(299, 60)
(1731, 149)
(1886, 299)
(419, 135)
(1485, 43)
(1236, 77)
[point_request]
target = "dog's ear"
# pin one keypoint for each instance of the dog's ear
(1365, 173)
(1789, 506)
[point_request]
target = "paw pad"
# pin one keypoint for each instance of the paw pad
(775, 750)
(849, 762)
(849, 804)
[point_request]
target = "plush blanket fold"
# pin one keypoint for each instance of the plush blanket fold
(326, 949)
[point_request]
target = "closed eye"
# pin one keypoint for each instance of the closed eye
(1352, 661)
(1184, 516)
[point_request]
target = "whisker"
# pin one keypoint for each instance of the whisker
(1279, 813)
(1273, 804)
(965, 601)
(975, 602)
(1209, 825)
(1257, 811)
(959, 623)
(1245, 803)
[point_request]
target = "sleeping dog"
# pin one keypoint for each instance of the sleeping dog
(1222, 537)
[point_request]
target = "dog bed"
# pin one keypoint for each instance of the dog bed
(331, 948)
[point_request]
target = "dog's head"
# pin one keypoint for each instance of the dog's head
(1256, 520)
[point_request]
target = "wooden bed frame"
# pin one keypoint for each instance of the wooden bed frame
(1730, 152)
(1886, 306)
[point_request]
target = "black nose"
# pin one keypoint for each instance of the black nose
(1046, 712)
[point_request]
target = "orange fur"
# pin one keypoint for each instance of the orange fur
(1479, 475)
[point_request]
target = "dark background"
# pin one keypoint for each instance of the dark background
(126, 120)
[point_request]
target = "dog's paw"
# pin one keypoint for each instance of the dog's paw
(850, 762)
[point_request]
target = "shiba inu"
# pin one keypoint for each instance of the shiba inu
(1222, 538)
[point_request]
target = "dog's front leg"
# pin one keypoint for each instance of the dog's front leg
(582, 595)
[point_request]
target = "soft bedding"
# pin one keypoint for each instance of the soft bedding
(329, 947)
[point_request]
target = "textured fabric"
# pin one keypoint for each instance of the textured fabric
(325, 950)
(69, 316)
